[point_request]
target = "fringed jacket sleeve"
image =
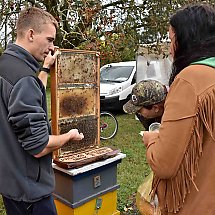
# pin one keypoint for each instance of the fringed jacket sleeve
(166, 152)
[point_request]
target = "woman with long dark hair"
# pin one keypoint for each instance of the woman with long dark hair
(181, 154)
(193, 31)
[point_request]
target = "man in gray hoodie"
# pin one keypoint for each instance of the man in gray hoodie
(26, 175)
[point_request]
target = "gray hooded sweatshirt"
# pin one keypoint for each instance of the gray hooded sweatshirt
(24, 128)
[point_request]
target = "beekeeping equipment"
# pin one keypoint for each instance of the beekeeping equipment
(85, 173)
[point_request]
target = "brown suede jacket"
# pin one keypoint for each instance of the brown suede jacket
(182, 156)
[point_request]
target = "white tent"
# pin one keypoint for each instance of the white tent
(153, 62)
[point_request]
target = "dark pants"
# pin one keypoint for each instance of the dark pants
(45, 206)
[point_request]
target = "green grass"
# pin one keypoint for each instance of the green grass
(2, 211)
(133, 169)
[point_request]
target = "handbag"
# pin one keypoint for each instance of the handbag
(145, 204)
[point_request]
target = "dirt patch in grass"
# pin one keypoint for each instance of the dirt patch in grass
(131, 208)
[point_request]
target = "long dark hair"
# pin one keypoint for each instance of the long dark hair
(194, 27)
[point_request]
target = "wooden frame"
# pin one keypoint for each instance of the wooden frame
(75, 95)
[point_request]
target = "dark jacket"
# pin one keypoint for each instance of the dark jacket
(24, 129)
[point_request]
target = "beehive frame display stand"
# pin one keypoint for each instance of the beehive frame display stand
(75, 103)
(75, 97)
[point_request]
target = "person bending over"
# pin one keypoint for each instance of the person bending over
(147, 102)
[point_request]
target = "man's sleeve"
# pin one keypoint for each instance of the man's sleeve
(26, 115)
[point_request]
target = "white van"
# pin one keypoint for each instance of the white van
(116, 83)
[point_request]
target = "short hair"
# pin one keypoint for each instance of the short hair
(34, 18)
(194, 28)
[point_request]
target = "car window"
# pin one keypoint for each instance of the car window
(115, 73)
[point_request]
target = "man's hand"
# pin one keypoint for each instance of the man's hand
(57, 141)
(75, 135)
(50, 59)
(48, 62)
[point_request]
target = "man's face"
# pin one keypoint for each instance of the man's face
(152, 112)
(43, 42)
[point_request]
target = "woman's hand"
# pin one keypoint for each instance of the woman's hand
(148, 136)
